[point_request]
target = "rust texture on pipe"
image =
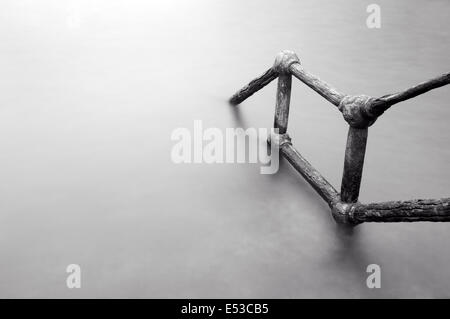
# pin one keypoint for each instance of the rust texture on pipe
(312, 176)
(381, 104)
(353, 164)
(353, 109)
(431, 210)
(360, 112)
(282, 103)
(321, 87)
(254, 86)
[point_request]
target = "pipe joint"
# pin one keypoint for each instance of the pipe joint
(284, 60)
(356, 110)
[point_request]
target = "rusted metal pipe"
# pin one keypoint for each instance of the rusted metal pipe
(254, 86)
(321, 87)
(311, 175)
(360, 112)
(282, 103)
(353, 164)
(381, 104)
(417, 210)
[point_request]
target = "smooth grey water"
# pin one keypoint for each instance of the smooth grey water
(90, 92)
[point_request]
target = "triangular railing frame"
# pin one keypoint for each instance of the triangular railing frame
(360, 112)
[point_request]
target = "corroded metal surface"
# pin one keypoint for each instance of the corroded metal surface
(353, 164)
(431, 210)
(360, 112)
(321, 87)
(282, 103)
(254, 86)
(312, 176)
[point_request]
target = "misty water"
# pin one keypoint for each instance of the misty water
(90, 92)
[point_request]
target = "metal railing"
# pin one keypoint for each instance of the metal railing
(360, 112)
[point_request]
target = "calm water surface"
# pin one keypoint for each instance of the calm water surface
(90, 92)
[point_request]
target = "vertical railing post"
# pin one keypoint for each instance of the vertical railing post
(282, 103)
(353, 164)
(282, 65)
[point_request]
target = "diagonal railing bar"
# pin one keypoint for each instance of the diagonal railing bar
(360, 112)
(321, 87)
(311, 175)
(381, 104)
(254, 86)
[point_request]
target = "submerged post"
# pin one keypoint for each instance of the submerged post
(282, 103)
(281, 65)
(353, 164)
(352, 109)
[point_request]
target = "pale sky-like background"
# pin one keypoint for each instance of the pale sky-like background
(90, 92)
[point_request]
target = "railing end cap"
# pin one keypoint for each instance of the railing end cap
(343, 212)
(356, 110)
(284, 60)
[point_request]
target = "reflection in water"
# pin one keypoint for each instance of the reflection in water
(86, 119)
(237, 117)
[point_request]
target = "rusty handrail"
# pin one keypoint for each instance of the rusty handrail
(360, 112)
